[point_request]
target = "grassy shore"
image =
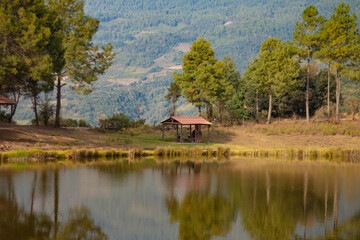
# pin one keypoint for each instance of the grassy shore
(279, 139)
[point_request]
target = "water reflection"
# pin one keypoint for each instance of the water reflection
(201, 215)
(132, 200)
(17, 223)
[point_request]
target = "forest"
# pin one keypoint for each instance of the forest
(150, 37)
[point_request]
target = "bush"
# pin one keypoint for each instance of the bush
(46, 111)
(120, 121)
(4, 117)
(137, 123)
(69, 123)
(83, 123)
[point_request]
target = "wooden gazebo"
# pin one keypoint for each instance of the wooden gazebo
(6, 101)
(194, 136)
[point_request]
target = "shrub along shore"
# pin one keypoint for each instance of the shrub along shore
(182, 154)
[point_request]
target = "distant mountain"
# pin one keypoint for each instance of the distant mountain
(150, 37)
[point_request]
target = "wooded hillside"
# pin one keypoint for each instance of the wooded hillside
(150, 37)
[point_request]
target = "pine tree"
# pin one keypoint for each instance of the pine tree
(174, 92)
(254, 77)
(74, 55)
(306, 37)
(340, 35)
(195, 69)
(23, 37)
(280, 68)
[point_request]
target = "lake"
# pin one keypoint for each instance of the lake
(237, 199)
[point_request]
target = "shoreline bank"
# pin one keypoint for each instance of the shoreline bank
(170, 153)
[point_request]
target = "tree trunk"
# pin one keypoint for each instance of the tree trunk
(199, 110)
(335, 204)
(56, 200)
(221, 113)
(257, 105)
(209, 111)
(58, 101)
(328, 93)
(33, 193)
(173, 107)
(306, 180)
(338, 89)
(13, 108)
(270, 107)
(35, 110)
(307, 90)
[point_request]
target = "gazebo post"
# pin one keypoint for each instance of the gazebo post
(177, 131)
(163, 132)
(196, 128)
(208, 133)
(181, 134)
(190, 132)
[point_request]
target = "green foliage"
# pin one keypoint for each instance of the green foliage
(306, 34)
(4, 117)
(143, 33)
(307, 38)
(46, 111)
(194, 81)
(73, 53)
(174, 92)
(24, 63)
(279, 66)
(83, 123)
(340, 43)
(120, 121)
(206, 80)
(69, 122)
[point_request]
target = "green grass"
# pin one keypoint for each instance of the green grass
(149, 141)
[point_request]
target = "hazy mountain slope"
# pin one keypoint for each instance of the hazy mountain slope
(150, 37)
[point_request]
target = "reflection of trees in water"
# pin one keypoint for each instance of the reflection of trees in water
(201, 215)
(80, 226)
(348, 230)
(122, 169)
(272, 202)
(16, 223)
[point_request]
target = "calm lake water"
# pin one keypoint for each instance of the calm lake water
(241, 199)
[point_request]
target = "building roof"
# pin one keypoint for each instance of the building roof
(184, 120)
(6, 101)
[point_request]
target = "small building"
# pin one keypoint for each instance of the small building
(6, 101)
(194, 135)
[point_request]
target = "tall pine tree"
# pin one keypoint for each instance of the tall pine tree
(306, 37)
(340, 34)
(74, 55)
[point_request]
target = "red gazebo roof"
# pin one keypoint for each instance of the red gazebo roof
(185, 120)
(6, 101)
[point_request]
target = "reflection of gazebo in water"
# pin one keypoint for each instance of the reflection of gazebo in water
(194, 135)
